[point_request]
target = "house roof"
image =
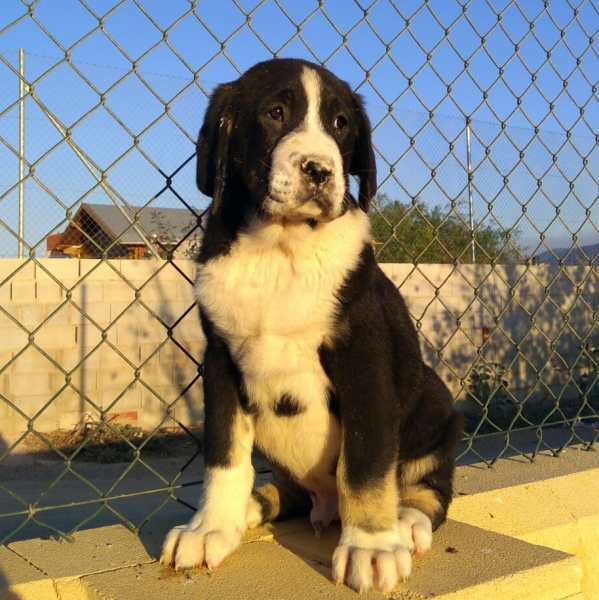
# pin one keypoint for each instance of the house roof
(177, 221)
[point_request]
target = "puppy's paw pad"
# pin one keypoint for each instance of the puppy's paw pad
(416, 530)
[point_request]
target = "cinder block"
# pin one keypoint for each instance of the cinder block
(190, 330)
(69, 358)
(185, 291)
(23, 385)
(86, 292)
(127, 312)
(186, 266)
(48, 291)
(96, 311)
(87, 334)
(113, 401)
(114, 379)
(152, 333)
(417, 287)
(158, 291)
(10, 309)
(421, 307)
(31, 314)
(169, 311)
(59, 269)
(5, 357)
(126, 334)
(5, 293)
(17, 269)
(56, 336)
(23, 291)
(139, 270)
(155, 374)
(31, 361)
(12, 336)
(184, 372)
(99, 270)
(117, 291)
(69, 400)
(189, 409)
(9, 417)
(111, 359)
(84, 379)
(170, 353)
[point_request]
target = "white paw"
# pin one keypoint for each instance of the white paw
(254, 513)
(416, 530)
(365, 560)
(186, 546)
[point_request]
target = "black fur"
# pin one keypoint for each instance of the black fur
(287, 406)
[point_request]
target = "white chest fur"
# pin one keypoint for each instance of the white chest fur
(273, 299)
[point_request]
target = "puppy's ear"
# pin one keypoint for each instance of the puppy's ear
(363, 162)
(213, 143)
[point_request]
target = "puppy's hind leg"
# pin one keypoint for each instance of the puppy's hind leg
(278, 500)
(426, 490)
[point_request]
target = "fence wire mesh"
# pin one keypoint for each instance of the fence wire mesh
(484, 117)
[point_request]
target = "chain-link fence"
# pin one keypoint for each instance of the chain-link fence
(484, 118)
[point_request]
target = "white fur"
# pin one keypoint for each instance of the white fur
(221, 520)
(364, 560)
(288, 186)
(416, 530)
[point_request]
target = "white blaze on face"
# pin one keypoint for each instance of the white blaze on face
(290, 189)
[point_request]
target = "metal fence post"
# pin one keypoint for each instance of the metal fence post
(470, 199)
(22, 92)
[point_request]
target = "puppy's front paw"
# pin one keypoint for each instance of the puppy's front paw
(371, 560)
(186, 546)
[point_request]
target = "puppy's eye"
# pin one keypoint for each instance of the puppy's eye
(276, 114)
(340, 122)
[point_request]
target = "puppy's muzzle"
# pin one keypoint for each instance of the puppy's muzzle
(318, 171)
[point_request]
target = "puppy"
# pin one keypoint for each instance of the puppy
(311, 355)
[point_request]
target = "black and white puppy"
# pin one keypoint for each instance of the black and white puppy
(311, 354)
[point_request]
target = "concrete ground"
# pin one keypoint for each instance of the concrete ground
(518, 530)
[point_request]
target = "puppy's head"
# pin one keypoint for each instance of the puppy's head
(286, 135)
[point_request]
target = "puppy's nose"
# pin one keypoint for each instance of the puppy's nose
(317, 171)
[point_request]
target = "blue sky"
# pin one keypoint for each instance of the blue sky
(423, 69)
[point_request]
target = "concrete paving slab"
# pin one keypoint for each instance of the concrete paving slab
(19, 578)
(258, 571)
(106, 548)
(462, 557)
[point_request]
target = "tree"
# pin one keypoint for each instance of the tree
(164, 233)
(419, 233)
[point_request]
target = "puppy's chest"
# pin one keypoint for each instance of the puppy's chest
(273, 296)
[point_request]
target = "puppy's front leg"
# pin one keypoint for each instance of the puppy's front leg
(371, 552)
(217, 528)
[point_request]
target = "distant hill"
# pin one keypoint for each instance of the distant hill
(570, 256)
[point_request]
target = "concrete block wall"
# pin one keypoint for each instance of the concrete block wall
(82, 336)
(534, 319)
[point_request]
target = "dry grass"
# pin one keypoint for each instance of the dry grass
(112, 442)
